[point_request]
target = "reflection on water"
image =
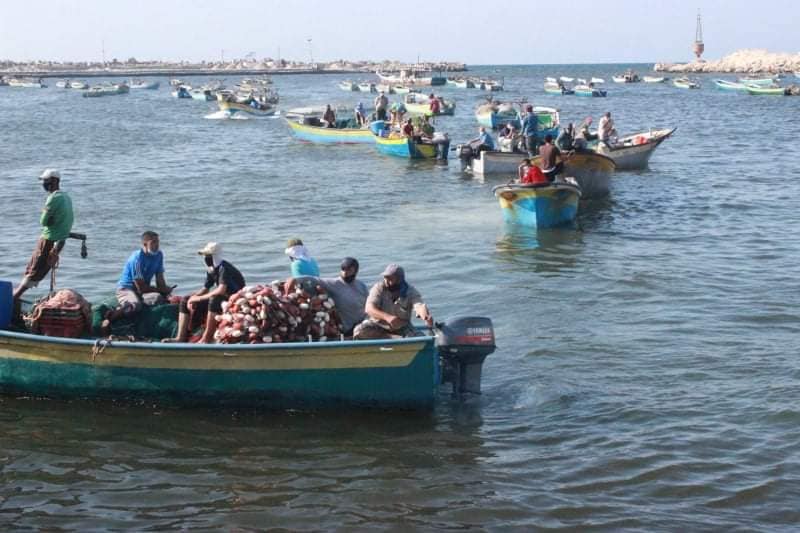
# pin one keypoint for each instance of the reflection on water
(539, 250)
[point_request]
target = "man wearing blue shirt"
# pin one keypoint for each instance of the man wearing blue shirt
(484, 141)
(134, 288)
(302, 264)
(530, 128)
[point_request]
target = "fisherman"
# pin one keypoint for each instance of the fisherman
(522, 169)
(329, 117)
(381, 103)
(56, 221)
(361, 117)
(134, 289)
(348, 293)
(484, 141)
(389, 307)
(565, 139)
(530, 127)
(222, 280)
(426, 128)
(549, 153)
(302, 264)
(605, 128)
(434, 105)
(408, 129)
(398, 111)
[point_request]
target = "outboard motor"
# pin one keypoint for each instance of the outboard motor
(463, 344)
(465, 154)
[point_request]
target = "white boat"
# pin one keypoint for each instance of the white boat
(63, 84)
(654, 79)
(175, 82)
(566, 79)
(142, 84)
(80, 85)
(204, 94)
(106, 90)
(384, 88)
(597, 80)
(412, 77)
(182, 91)
(628, 76)
(685, 83)
(26, 83)
(366, 87)
(348, 86)
(550, 79)
(633, 152)
(582, 81)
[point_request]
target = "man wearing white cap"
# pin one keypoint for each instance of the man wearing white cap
(222, 280)
(56, 221)
(390, 305)
(302, 264)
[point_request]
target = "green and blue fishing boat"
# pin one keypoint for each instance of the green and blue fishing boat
(311, 130)
(541, 206)
(732, 86)
(762, 90)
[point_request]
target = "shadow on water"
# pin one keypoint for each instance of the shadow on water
(540, 250)
(596, 213)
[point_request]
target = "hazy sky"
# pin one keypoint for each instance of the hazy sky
(491, 32)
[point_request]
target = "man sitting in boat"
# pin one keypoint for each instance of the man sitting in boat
(329, 117)
(222, 280)
(134, 289)
(507, 139)
(389, 307)
(361, 115)
(530, 127)
(551, 166)
(484, 141)
(56, 221)
(408, 129)
(565, 141)
(302, 264)
(530, 174)
(348, 293)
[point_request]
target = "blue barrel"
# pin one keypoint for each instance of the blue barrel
(6, 304)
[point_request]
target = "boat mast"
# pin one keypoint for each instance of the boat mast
(699, 47)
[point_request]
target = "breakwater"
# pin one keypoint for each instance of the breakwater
(743, 61)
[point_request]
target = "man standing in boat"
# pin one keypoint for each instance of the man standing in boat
(605, 128)
(381, 103)
(56, 221)
(530, 127)
(389, 307)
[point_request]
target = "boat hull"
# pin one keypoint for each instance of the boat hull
(405, 147)
(592, 171)
(765, 91)
(549, 206)
(630, 156)
(448, 109)
(400, 373)
(548, 120)
(590, 92)
(235, 107)
(318, 135)
(724, 85)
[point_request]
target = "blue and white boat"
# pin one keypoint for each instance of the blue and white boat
(588, 90)
(725, 85)
(543, 206)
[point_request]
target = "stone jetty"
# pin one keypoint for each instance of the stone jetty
(748, 61)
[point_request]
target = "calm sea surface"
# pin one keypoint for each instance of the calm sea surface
(647, 375)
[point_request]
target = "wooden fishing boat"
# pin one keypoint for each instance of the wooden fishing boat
(539, 206)
(725, 85)
(366, 87)
(633, 152)
(497, 114)
(557, 88)
(685, 83)
(591, 171)
(398, 145)
(491, 85)
(253, 108)
(764, 90)
(402, 373)
(464, 83)
(654, 79)
(412, 77)
(144, 85)
(419, 104)
(757, 81)
(175, 82)
(206, 95)
(628, 76)
(310, 129)
(27, 83)
(106, 90)
(587, 90)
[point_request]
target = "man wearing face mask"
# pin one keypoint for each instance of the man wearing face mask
(389, 307)
(222, 280)
(56, 221)
(134, 289)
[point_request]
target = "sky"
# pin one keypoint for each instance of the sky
(469, 31)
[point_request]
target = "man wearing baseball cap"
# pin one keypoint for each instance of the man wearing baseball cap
(56, 221)
(389, 307)
(222, 280)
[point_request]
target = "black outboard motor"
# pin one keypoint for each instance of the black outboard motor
(463, 344)
(466, 155)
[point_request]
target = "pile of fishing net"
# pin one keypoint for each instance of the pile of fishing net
(264, 314)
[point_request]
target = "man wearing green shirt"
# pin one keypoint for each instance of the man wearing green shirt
(56, 222)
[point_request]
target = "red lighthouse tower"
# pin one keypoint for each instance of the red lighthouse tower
(699, 47)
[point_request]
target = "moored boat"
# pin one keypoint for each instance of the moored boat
(725, 85)
(182, 91)
(464, 83)
(539, 206)
(632, 152)
(566, 79)
(757, 81)
(597, 80)
(77, 84)
(366, 87)
(27, 83)
(175, 82)
(419, 104)
(765, 90)
(557, 88)
(63, 84)
(207, 95)
(398, 145)
(144, 85)
(404, 373)
(685, 83)
(384, 88)
(628, 76)
(311, 129)
(228, 103)
(592, 171)
(348, 85)
(106, 90)
(587, 90)
(654, 79)
(402, 89)
(496, 114)
(412, 77)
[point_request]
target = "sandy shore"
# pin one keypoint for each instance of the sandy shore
(744, 61)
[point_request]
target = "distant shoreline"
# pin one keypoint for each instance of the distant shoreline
(137, 73)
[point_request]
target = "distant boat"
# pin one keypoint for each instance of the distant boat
(654, 79)
(726, 85)
(142, 84)
(419, 104)
(464, 84)
(597, 80)
(229, 103)
(774, 90)
(543, 206)
(204, 94)
(582, 81)
(182, 91)
(402, 89)
(587, 90)
(80, 85)
(557, 88)
(63, 84)
(348, 85)
(175, 82)
(366, 87)
(412, 77)
(106, 90)
(685, 83)
(628, 76)
(26, 83)
(757, 81)
(550, 79)
(384, 88)
(565, 79)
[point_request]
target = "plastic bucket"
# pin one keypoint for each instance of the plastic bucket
(6, 304)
